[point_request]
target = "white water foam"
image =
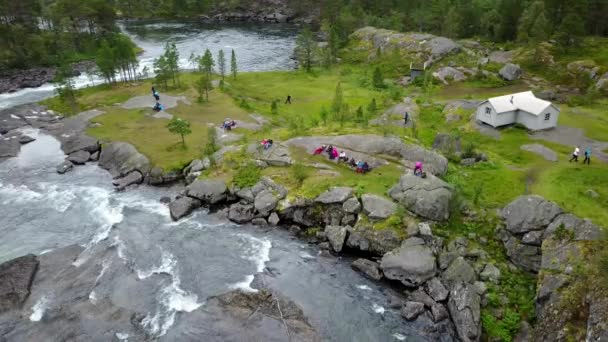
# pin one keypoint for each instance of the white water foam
(60, 200)
(18, 194)
(245, 285)
(259, 251)
(104, 267)
(378, 309)
(399, 336)
(305, 255)
(364, 287)
(38, 309)
(167, 266)
(93, 297)
(122, 337)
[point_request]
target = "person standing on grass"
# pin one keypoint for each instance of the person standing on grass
(587, 156)
(575, 154)
(288, 101)
(406, 117)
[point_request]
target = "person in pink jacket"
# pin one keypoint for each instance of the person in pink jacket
(418, 169)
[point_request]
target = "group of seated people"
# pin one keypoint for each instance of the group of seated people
(267, 143)
(228, 124)
(158, 107)
(359, 166)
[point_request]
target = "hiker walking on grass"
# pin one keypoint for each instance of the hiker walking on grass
(575, 154)
(587, 156)
(406, 117)
(288, 101)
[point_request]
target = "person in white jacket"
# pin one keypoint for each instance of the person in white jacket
(577, 150)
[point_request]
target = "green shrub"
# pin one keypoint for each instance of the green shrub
(299, 173)
(211, 145)
(561, 233)
(274, 108)
(469, 151)
(244, 104)
(503, 329)
(247, 175)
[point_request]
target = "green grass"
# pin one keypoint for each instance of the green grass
(592, 119)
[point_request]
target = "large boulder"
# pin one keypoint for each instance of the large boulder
(64, 167)
(525, 256)
(79, 142)
(369, 268)
(121, 158)
(412, 264)
(465, 309)
(351, 206)
(183, 206)
(336, 236)
(79, 157)
(530, 212)
(426, 197)
(377, 207)
(265, 202)
(447, 143)
(459, 271)
(277, 155)
(510, 72)
(411, 310)
(134, 177)
(241, 213)
(436, 289)
(209, 191)
(579, 229)
(447, 74)
(335, 195)
(369, 240)
(16, 278)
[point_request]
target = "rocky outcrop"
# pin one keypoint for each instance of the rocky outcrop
(121, 158)
(427, 197)
(277, 155)
(241, 213)
(122, 183)
(395, 115)
(209, 191)
(369, 147)
(528, 213)
(64, 167)
(421, 46)
(412, 264)
(510, 72)
(183, 206)
(449, 74)
(377, 208)
(17, 276)
(369, 268)
(79, 157)
(455, 110)
(447, 143)
(465, 309)
(336, 236)
(335, 195)
(79, 142)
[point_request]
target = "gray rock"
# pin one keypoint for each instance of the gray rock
(94, 156)
(377, 208)
(446, 259)
(490, 273)
(134, 177)
(427, 197)
(534, 238)
(525, 256)
(447, 143)
(424, 229)
(510, 72)
(195, 166)
(265, 202)
(459, 271)
(245, 194)
(481, 287)
(241, 213)
(25, 139)
(591, 193)
(336, 236)
(447, 74)
(468, 162)
(120, 159)
(209, 191)
(439, 313)
(411, 310)
(369, 268)
(64, 167)
(370, 240)
(335, 195)
(349, 220)
(273, 219)
(351, 206)
(528, 213)
(523, 335)
(183, 206)
(277, 155)
(501, 57)
(79, 142)
(541, 150)
(435, 288)
(411, 265)
(421, 297)
(79, 157)
(464, 307)
(259, 222)
(581, 230)
(165, 200)
(548, 284)
(17, 276)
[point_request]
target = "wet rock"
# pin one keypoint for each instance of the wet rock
(490, 273)
(64, 167)
(459, 271)
(351, 206)
(421, 297)
(369, 268)
(427, 197)
(273, 219)
(80, 142)
(183, 206)
(435, 288)
(17, 276)
(94, 156)
(411, 310)
(265, 202)
(241, 213)
(335, 195)
(510, 72)
(209, 191)
(410, 264)
(528, 213)
(155, 177)
(464, 307)
(336, 236)
(377, 242)
(121, 158)
(439, 313)
(134, 177)
(259, 222)
(25, 139)
(165, 200)
(79, 157)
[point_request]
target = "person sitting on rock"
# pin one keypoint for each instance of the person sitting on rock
(319, 150)
(418, 169)
(268, 144)
(359, 168)
(343, 157)
(329, 150)
(158, 107)
(365, 167)
(353, 162)
(334, 154)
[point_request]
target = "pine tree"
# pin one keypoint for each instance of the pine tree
(221, 63)
(233, 66)
(305, 47)
(378, 79)
(337, 103)
(570, 31)
(206, 64)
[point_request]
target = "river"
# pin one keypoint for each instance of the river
(134, 258)
(257, 48)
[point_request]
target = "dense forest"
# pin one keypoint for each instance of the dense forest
(51, 32)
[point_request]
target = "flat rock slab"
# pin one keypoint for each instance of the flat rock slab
(147, 101)
(487, 130)
(541, 150)
(17, 276)
(163, 115)
(395, 115)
